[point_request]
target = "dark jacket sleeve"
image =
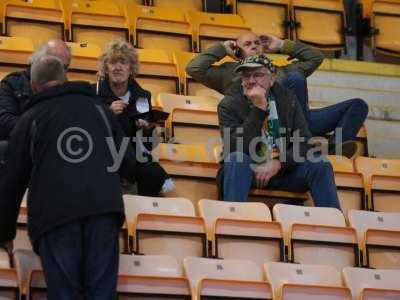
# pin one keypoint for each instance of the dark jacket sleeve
(308, 58)
(202, 70)
(300, 129)
(9, 110)
(234, 131)
(15, 177)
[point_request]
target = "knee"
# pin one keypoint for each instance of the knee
(322, 168)
(295, 78)
(361, 106)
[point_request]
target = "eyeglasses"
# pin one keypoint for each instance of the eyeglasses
(256, 75)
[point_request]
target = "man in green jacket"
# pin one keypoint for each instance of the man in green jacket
(266, 137)
(348, 115)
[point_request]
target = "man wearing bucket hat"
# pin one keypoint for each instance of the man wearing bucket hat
(347, 116)
(265, 138)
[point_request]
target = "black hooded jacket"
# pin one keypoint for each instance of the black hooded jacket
(60, 148)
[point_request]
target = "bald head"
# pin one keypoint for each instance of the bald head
(249, 44)
(57, 48)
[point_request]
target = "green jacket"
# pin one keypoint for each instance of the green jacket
(220, 77)
(244, 121)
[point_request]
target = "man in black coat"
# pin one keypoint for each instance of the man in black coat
(65, 147)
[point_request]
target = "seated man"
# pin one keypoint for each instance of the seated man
(348, 115)
(266, 138)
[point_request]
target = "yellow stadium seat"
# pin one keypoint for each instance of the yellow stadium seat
(171, 101)
(4, 259)
(22, 240)
(317, 235)
(40, 20)
(362, 137)
(152, 277)
(367, 7)
(165, 226)
(96, 22)
(267, 16)
(31, 280)
(381, 181)
(8, 284)
(84, 62)
(165, 27)
(350, 184)
(158, 72)
(189, 85)
(192, 167)
(193, 119)
(385, 19)
(1, 16)
(379, 237)
(305, 282)
(225, 279)
(14, 54)
(367, 284)
(185, 5)
(209, 28)
(329, 34)
(242, 231)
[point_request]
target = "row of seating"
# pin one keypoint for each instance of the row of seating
(98, 22)
(366, 183)
(165, 277)
(170, 27)
(313, 235)
(194, 169)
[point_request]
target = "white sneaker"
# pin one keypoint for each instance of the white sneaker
(168, 186)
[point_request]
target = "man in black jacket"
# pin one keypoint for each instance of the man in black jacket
(265, 138)
(64, 147)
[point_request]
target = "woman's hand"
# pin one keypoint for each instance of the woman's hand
(140, 123)
(118, 107)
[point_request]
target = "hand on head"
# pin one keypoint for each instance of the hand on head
(230, 47)
(250, 44)
(270, 43)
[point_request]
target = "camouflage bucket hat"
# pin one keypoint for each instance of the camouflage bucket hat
(256, 61)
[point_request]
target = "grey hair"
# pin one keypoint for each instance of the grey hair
(43, 49)
(47, 68)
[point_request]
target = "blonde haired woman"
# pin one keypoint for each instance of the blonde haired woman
(130, 103)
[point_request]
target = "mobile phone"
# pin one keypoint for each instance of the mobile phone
(237, 52)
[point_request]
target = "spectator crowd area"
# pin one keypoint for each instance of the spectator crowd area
(188, 245)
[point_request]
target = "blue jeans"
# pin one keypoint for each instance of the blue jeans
(348, 115)
(316, 177)
(80, 259)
